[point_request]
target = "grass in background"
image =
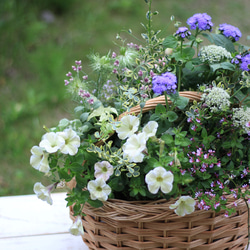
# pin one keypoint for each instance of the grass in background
(41, 39)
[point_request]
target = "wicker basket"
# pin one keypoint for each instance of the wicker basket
(151, 225)
(123, 225)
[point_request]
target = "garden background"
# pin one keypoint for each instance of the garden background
(41, 39)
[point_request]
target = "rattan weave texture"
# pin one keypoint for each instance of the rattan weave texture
(123, 225)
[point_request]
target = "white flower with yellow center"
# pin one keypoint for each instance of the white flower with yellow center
(44, 193)
(98, 189)
(129, 125)
(103, 170)
(39, 159)
(159, 178)
(72, 141)
(134, 147)
(77, 228)
(185, 205)
(150, 129)
(52, 142)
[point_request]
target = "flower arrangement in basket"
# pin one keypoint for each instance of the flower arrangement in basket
(165, 124)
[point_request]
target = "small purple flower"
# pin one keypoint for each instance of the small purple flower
(245, 62)
(236, 59)
(230, 31)
(165, 82)
(116, 63)
(201, 21)
(69, 74)
(183, 32)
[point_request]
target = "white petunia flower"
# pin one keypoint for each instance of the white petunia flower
(150, 129)
(52, 142)
(185, 205)
(103, 170)
(44, 193)
(39, 159)
(72, 141)
(159, 178)
(77, 228)
(98, 189)
(129, 125)
(134, 147)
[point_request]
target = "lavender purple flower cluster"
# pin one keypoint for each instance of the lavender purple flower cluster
(183, 32)
(202, 21)
(166, 82)
(243, 61)
(230, 31)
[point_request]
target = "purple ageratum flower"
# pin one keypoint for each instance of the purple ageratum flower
(236, 60)
(245, 62)
(230, 31)
(165, 82)
(183, 32)
(201, 21)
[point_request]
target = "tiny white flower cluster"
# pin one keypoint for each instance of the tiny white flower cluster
(136, 143)
(214, 54)
(216, 98)
(241, 119)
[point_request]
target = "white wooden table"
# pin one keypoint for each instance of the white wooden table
(27, 223)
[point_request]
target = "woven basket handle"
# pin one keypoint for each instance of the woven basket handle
(152, 103)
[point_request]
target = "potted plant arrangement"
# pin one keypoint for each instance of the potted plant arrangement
(157, 155)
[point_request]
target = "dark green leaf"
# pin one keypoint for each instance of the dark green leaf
(172, 116)
(182, 102)
(95, 203)
(170, 42)
(168, 139)
(223, 65)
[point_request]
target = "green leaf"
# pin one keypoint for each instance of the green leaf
(168, 139)
(84, 116)
(182, 102)
(188, 53)
(172, 116)
(204, 133)
(160, 109)
(95, 203)
(76, 167)
(220, 40)
(170, 42)
(223, 65)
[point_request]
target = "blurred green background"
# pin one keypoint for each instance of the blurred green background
(41, 39)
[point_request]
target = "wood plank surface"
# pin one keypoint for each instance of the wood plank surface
(27, 223)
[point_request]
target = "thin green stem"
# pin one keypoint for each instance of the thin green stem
(179, 78)
(149, 21)
(166, 100)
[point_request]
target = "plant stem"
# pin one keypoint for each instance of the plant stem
(149, 22)
(179, 78)
(166, 100)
